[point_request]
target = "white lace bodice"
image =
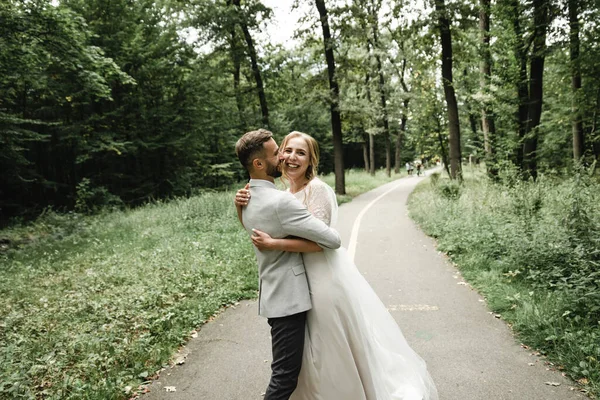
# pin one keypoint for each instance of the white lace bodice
(320, 200)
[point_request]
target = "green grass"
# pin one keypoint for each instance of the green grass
(533, 251)
(358, 181)
(91, 307)
(94, 308)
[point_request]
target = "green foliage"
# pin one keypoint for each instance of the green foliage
(118, 93)
(49, 72)
(449, 190)
(92, 306)
(434, 178)
(533, 250)
(91, 199)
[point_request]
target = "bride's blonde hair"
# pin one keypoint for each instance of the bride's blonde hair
(313, 149)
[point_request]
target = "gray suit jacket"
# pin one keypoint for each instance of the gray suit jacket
(282, 280)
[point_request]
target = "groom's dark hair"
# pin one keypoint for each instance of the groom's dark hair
(249, 146)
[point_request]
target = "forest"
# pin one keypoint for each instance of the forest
(118, 120)
(117, 103)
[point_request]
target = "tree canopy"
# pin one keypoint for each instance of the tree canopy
(112, 103)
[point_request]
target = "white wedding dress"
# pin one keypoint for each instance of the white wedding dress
(353, 350)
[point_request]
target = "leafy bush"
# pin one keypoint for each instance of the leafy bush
(434, 177)
(91, 199)
(533, 249)
(449, 190)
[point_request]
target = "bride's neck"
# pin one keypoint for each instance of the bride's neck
(298, 184)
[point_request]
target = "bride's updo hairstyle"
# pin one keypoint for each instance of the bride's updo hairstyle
(313, 148)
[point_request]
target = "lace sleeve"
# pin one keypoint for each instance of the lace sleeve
(321, 201)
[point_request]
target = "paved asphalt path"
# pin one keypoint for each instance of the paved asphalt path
(471, 354)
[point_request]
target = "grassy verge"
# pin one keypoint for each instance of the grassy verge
(358, 181)
(90, 307)
(533, 251)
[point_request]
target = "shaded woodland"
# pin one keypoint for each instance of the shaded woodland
(114, 103)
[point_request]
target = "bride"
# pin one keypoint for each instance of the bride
(353, 350)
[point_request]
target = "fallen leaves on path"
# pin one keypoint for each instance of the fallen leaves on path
(179, 359)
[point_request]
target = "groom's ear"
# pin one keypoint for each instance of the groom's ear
(257, 163)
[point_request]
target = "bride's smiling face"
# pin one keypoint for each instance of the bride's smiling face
(296, 157)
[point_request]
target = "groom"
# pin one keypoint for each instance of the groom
(284, 297)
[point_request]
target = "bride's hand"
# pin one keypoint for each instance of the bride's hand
(242, 196)
(262, 240)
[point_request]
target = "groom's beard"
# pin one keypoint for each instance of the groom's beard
(274, 171)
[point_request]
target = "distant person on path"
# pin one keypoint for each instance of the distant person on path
(284, 294)
(408, 168)
(354, 350)
(419, 168)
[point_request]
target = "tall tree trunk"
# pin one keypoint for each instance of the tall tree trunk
(373, 9)
(365, 138)
(442, 148)
(397, 153)
(336, 121)
(385, 120)
(404, 117)
(371, 136)
(577, 125)
(365, 135)
(372, 153)
(255, 68)
(488, 125)
(473, 122)
(520, 52)
(536, 89)
(236, 80)
(453, 121)
(365, 148)
(594, 137)
(236, 60)
(400, 137)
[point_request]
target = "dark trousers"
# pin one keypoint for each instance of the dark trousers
(287, 338)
